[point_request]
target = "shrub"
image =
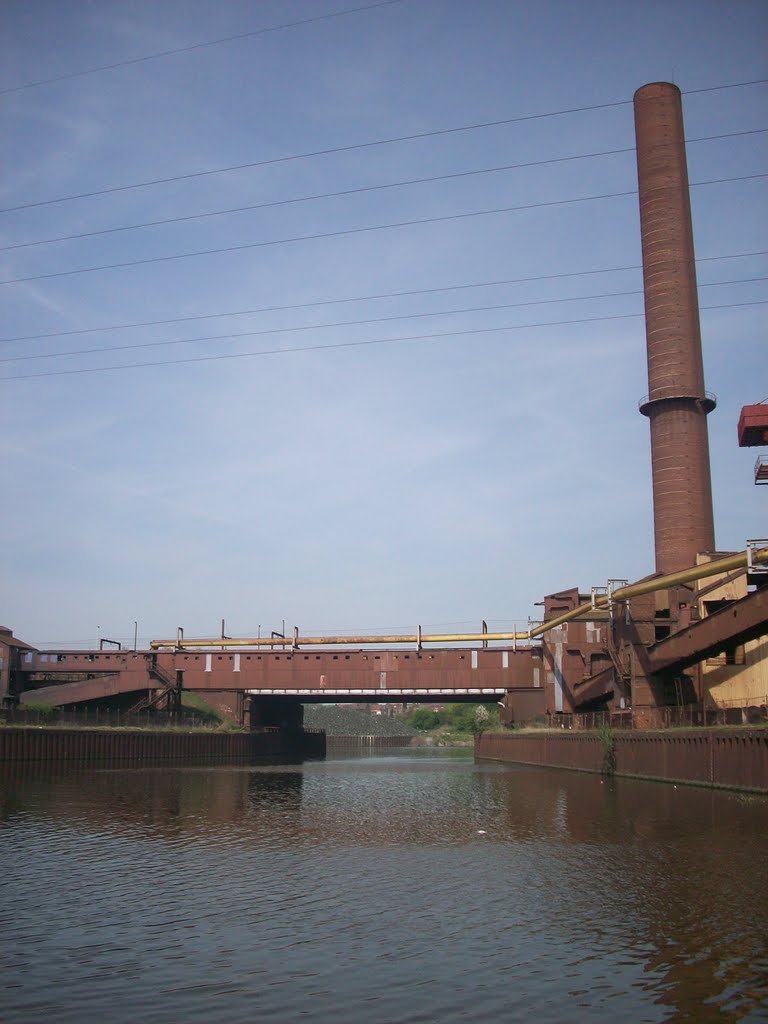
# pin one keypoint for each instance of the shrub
(425, 719)
(41, 709)
(608, 743)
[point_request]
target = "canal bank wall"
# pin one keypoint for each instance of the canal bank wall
(721, 758)
(137, 745)
(353, 744)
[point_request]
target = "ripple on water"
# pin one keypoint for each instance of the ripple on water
(362, 889)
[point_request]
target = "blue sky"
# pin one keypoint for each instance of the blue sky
(435, 480)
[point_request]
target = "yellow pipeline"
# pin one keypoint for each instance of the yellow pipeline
(310, 641)
(696, 572)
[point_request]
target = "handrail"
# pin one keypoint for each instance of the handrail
(298, 641)
(708, 397)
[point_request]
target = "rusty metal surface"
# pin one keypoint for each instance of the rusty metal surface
(741, 759)
(107, 685)
(523, 706)
(141, 746)
(736, 759)
(737, 623)
(574, 650)
(681, 757)
(547, 749)
(677, 404)
(452, 673)
(753, 425)
(70, 677)
(597, 687)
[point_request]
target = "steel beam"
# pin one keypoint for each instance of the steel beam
(737, 623)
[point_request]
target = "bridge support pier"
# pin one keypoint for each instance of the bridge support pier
(523, 705)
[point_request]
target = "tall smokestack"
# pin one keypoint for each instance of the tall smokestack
(677, 404)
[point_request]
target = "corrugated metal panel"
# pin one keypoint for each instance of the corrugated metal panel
(736, 759)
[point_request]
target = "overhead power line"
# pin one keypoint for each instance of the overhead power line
(722, 88)
(368, 298)
(344, 323)
(197, 46)
(353, 231)
(354, 191)
(433, 133)
(349, 344)
(317, 196)
(314, 153)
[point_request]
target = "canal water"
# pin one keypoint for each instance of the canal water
(411, 887)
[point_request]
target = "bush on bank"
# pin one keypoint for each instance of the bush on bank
(456, 719)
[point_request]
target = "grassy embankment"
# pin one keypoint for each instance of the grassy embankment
(198, 716)
(454, 724)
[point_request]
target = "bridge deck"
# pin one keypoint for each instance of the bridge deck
(452, 673)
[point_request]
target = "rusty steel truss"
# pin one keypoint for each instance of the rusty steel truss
(603, 651)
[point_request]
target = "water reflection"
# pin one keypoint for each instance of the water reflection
(410, 887)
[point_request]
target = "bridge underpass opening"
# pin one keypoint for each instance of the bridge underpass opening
(286, 711)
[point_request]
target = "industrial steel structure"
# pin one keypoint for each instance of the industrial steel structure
(680, 636)
(612, 650)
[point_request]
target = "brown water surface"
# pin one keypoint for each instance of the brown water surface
(412, 887)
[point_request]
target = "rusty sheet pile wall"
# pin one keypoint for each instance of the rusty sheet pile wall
(735, 759)
(109, 745)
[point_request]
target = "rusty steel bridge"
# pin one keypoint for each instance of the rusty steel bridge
(613, 650)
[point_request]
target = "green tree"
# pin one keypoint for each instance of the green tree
(424, 719)
(462, 717)
(458, 717)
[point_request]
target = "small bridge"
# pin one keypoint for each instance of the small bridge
(273, 682)
(628, 646)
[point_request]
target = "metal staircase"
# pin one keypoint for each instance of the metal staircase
(166, 698)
